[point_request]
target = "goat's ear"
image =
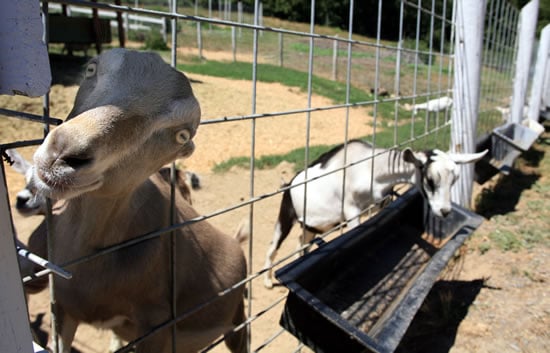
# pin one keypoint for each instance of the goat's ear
(462, 158)
(416, 158)
(20, 164)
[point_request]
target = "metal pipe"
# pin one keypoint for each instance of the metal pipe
(470, 16)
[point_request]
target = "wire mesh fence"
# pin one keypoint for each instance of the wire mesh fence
(273, 90)
(498, 65)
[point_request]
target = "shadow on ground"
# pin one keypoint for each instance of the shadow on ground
(503, 196)
(435, 325)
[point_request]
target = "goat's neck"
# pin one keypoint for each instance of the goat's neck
(392, 171)
(106, 220)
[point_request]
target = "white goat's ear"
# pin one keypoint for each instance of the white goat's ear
(20, 164)
(416, 158)
(462, 158)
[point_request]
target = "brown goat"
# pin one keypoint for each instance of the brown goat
(133, 114)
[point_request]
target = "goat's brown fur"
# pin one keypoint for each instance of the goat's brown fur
(132, 115)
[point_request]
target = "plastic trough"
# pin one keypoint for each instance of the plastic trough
(505, 144)
(359, 292)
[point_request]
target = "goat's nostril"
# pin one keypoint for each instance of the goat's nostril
(21, 202)
(76, 162)
(445, 212)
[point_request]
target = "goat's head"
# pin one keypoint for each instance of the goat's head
(133, 113)
(28, 202)
(436, 172)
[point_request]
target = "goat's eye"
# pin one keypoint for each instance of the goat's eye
(430, 184)
(91, 70)
(183, 136)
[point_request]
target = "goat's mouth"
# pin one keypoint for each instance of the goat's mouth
(64, 187)
(26, 210)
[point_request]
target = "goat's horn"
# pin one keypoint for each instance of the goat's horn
(461, 158)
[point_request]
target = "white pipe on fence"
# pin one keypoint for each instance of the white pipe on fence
(546, 89)
(526, 37)
(128, 18)
(281, 50)
(240, 16)
(234, 43)
(334, 60)
(538, 78)
(199, 39)
(469, 18)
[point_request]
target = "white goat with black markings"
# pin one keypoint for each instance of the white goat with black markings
(433, 172)
(433, 105)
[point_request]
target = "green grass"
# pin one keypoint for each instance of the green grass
(384, 139)
(335, 91)
(319, 51)
(515, 224)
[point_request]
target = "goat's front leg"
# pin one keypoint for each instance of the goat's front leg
(305, 238)
(352, 214)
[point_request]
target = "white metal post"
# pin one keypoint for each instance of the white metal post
(15, 333)
(538, 78)
(546, 88)
(526, 37)
(25, 67)
(469, 21)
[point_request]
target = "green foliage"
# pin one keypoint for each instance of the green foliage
(154, 41)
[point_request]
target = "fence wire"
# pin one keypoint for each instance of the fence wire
(373, 85)
(499, 53)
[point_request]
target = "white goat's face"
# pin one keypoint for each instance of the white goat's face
(437, 171)
(28, 201)
(133, 113)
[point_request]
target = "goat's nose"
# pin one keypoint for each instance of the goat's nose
(445, 212)
(21, 201)
(66, 151)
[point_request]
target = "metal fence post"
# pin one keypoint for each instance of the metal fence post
(469, 18)
(15, 332)
(526, 36)
(546, 88)
(538, 78)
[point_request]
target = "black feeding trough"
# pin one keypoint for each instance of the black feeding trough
(359, 292)
(505, 144)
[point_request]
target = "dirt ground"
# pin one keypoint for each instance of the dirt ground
(501, 297)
